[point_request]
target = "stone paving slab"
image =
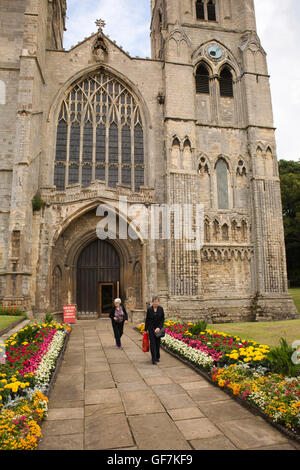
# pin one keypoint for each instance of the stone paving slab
(107, 432)
(167, 389)
(158, 380)
(141, 402)
(110, 395)
(197, 428)
(62, 442)
(157, 431)
(103, 409)
(251, 433)
(55, 414)
(221, 411)
(63, 427)
(213, 443)
(131, 386)
(185, 413)
(173, 402)
(99, 380)
(54, 404)
(106, 398)
(126, 374)
(208, 394)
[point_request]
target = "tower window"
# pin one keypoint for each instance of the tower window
(211, 11)
(206, 10)
(222, 184)
(200, 10)
(226, 83)
(202, 79)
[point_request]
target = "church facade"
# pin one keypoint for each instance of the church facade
(91, 125)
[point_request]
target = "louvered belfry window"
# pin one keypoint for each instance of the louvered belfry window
(226, 83)
(202, 79)
(100, 135)
(211, 11)
(200, 10)
(206, 10)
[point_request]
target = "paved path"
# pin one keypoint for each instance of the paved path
(105, 398)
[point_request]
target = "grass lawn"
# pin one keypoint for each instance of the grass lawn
(295, 293)
(262, 332)
(6, 320)
(266, 332)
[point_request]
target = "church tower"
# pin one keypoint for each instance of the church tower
(220, 150)
(29, 28)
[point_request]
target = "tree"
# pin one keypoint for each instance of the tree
(290, 195)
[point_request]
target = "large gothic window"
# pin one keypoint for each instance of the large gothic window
(100, 135)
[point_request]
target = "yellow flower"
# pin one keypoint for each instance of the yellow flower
(234, 356)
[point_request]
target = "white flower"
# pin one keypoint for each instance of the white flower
(48, 362)
(194, 355)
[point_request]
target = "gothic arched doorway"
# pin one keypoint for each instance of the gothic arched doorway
(98, 278)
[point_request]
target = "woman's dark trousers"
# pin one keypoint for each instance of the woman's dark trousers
(154, 346)
(118, 331)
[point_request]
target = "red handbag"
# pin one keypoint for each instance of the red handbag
(146, 342)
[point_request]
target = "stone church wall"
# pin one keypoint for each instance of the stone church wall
(193, 143)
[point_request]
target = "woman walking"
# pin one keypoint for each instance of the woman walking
(154, 322)
(118, 317)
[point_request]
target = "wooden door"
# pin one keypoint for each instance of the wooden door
(98, 263)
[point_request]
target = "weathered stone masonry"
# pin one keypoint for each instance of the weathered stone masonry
(211, 144)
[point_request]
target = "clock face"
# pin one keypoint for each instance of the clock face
(215, 52)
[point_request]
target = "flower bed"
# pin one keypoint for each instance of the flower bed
(239, 367)
(224, 348)
(30, 359)
(19, 425)
(277, 396)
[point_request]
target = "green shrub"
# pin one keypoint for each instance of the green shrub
(196, 328)
(11, 310)
(37, 202)
(48, 318)
(279, 360)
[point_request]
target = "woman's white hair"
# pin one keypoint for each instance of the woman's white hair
(117, 300)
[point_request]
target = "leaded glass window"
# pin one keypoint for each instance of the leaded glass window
(59, 176)
(100, 172)
(86, 175)
(73, 174)
(100, 135)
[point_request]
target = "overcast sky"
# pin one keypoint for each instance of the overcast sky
(278, 25)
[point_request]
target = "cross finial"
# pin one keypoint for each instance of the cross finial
(100, 25)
